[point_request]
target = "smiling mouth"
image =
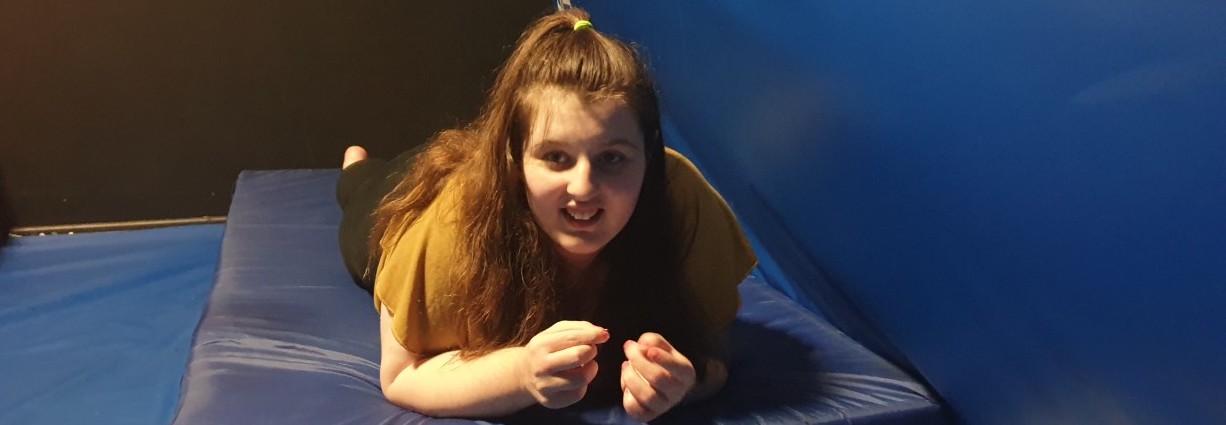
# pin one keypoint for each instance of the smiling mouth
(582, 218)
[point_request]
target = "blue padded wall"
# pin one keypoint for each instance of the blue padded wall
(1025, 202)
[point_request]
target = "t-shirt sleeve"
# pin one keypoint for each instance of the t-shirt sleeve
(716, 255)
(413, 282)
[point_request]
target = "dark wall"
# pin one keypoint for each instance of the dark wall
(137, 109)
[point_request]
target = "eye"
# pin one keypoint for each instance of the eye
(612, 158)
(555, 157)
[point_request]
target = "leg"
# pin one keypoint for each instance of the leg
(356, 171)
(359, 191)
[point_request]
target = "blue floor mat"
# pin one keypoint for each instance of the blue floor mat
(287, 338)
(96, 328)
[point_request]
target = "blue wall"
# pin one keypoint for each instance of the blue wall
(1024, 202)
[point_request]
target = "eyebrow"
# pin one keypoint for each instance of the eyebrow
(622, 142)
(547, 143)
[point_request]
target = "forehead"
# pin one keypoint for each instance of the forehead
(564, 117)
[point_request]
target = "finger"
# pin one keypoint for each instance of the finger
(558, 340)
(635, 410)
(578, 377)
(553, 385)
(621, 377)
(562, 399)
(654, 393)
(590, 370)
(576, 394)
(633, 407)
(653, 373)
(652, 339)
(566, 326)
(646, 401)
(570, 358)
(569, 325)
(678, 365)
(659, 351)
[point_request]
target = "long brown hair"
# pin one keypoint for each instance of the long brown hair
(506, 279)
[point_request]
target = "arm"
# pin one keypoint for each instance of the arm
(444, 385)
(554, 369)
(656, 377)
(716, 377)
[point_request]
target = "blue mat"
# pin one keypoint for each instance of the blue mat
(287, 338)
(96, 328)
(1024, 200)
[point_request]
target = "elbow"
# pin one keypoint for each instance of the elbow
(400, 396)
(717, 375)
(712, 383)
(403, 398)
(391, 381)
(400, 391)
(390, 393)
(400, 402)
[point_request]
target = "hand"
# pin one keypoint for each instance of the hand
(654, 378)
(558, 363)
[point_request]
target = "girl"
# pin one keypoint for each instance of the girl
(551, 251)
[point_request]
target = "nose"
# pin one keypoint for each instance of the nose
(583, 183)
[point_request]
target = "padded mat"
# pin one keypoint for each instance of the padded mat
(287, 338)
(96, 328)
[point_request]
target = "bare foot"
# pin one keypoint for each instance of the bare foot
(353, 154)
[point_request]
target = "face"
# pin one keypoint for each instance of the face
(583, 168)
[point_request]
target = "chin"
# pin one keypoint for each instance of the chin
(582, 248)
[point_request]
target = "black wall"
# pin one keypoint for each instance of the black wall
(139, 109)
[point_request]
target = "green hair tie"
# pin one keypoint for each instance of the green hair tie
(581, 24)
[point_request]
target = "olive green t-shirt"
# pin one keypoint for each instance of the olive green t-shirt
(413, 279)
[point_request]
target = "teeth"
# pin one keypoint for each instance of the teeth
(581, 216)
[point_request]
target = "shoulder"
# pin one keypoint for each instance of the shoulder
(715, 253)
(686, 184)
(679, 168)
(414, 276)
(689, 191)
(437, 224)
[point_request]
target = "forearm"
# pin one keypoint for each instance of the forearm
(713, 381)
(447, 386)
